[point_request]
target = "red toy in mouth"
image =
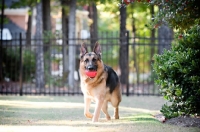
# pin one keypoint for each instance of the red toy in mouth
(91, 73)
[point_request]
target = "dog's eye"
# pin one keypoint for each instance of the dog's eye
(86, 60)
(94, 60)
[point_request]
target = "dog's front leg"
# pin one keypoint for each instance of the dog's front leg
(99, 103)
(87, 102)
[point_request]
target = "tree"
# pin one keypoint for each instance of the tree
(153, 31)
(93, 27)
(39, 50)
(31, 4)
(93, 15)
(123, 57)
(39, 33)
(165, 36)
(29, 30)
(179, 14)
(133, 9)
(72, 47)
(65, 23)
(46, 10)
(46, 18)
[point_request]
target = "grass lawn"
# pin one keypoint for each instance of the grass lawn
(65, 113)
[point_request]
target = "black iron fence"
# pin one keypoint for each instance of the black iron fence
(47, 67)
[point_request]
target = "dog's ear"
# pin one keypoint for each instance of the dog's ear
(97, 49)
(83, 50)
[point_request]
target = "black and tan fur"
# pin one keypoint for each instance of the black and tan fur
(103, 88)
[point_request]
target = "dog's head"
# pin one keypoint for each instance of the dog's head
(90, 60)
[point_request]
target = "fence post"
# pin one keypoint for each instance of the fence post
(127, 54)
(21, 68)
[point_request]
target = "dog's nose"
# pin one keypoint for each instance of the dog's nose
(91, 68)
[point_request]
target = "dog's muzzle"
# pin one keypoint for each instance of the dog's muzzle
(91, 68)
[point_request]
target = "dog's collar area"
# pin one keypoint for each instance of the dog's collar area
(90, 77)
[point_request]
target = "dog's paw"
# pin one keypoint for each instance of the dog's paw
(88, 115)
(116, 117)
(94, 120)
(108, 118)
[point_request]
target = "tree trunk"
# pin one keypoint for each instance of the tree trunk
(72, 48)
(39, 49)
(29, 29)
(152, 41)
(134, 47)
(152, 32)
(46, 17)
(165, 36)
(93, 27)
(123, 61)
(65, 41)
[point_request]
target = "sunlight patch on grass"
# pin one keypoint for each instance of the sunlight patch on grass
(25, 104)
(44, 129)
(138, 110)
(141, 118)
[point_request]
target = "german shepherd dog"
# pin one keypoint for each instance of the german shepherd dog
(103, 88)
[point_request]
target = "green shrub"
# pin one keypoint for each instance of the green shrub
(11, 64)
(29, 65)
(178, 72)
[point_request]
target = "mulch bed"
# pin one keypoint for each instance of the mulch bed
(184, 121)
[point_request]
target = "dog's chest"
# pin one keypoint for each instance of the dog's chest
(91, 89)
